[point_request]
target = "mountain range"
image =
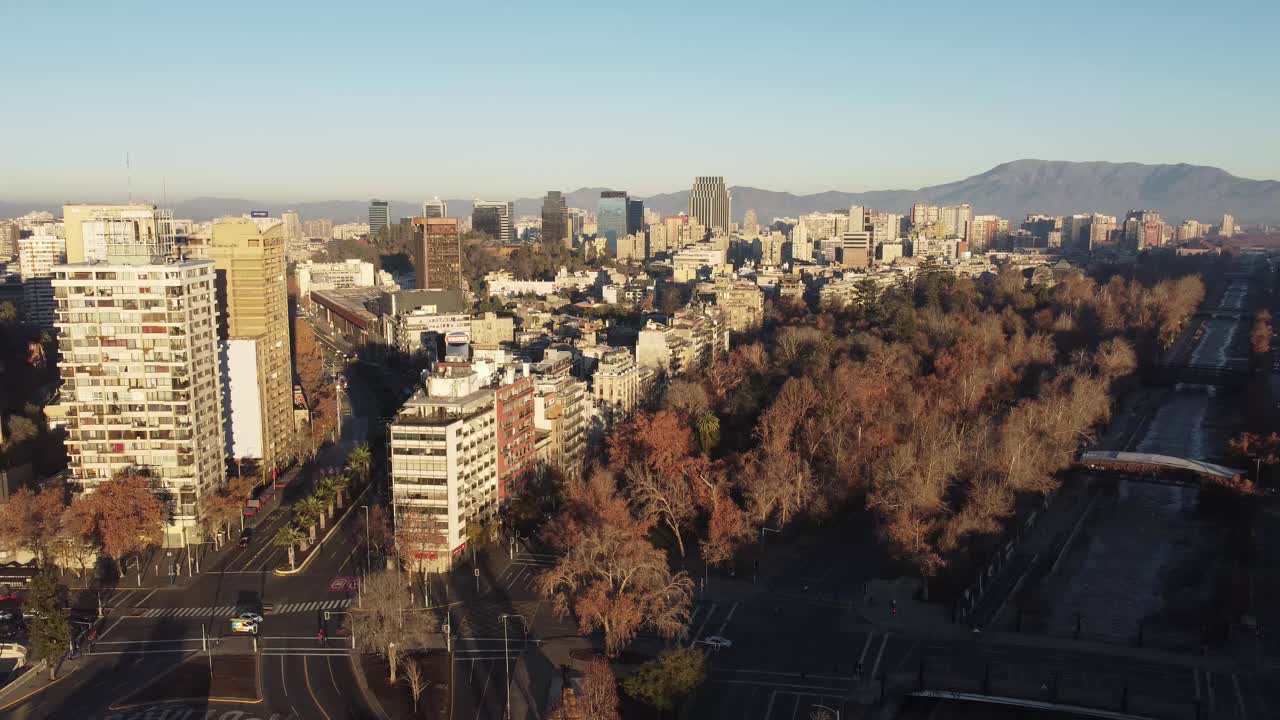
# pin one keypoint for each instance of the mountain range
(1010, 190)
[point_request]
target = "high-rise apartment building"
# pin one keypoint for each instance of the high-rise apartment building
(130, 234)
(1227, 227)
(611, 217)
(9, 234)
(631, 248)
(435, 208)
(562, 407)
(254, 332)
(37, 256)
(1143, 229)
(923, 215)
(437, 254)
(292, 226)
(555, 219)
(444, 463)
(955, 218)
(1075, 232)
(709, 203)
(494, 218)
(750, 225)
(140, 380)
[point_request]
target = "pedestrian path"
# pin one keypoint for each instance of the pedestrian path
(229, 610)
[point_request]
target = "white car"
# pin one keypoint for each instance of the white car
(253, 617)
(718, 642)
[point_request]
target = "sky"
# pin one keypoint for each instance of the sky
(293, 101)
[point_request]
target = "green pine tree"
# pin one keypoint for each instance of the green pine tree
(48, 632)
(665, 681)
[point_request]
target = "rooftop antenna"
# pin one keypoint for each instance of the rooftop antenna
(128, 171)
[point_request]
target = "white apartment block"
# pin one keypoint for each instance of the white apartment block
(617, 385)
(444, 462)
(561, 410)
(141, 385)
(333, 276)
(132, 234)
(37, 256)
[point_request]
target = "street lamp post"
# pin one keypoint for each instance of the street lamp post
(506, 652)
(367, 556)
(353, 623)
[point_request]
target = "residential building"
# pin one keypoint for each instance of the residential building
(885, 228)
(37, 256)
(632, 248)
(955, 218)
(555, 219)
(130, 234)
(444, 464)
(1143, 229)
(1227, 227)
(343, 275)
(690, 262)
(494, 218)
(562, 407)
(9, 234)
(140, 380)
(379, 216)
(922, 215)
(514, 411)
(1190, 229)
(616, 386)
(350, 231)
(292, 226)
(435, 208)
(1101, 229)
(741, 301)
(1075, 232)
(709, 203)
(254, 299)
(773, 249)
(437, 254)
(750, 224)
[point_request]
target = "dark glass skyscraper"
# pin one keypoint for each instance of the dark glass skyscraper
(611, 217)
(555, 219)
(379, 216)
(635, 216)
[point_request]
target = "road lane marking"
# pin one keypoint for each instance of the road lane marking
(727, 618)
(1195, 674)
(862, 658)
(145, 598)
(113, 627)
(306, 674)
(826, 690)
(705, 619)
(1235, 681)
(768, 710)
(883, 643)
(282, 683)
(483, 691)
(780, 673)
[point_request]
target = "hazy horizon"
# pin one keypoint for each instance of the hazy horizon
(267, 102)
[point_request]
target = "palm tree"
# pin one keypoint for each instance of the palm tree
(360, 461)
(310, 510)
(290, 536)
(330, 488)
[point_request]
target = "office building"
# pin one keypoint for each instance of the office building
(379, 216)
(254, 332)
(631, 248)
(437, 254)
(709, 203)
(635, 216)
(611, 218)
(435, 208)
(129, 234)
(444, 465)
(856, 249)
(555, 219)
(140, 380)
(494, 218)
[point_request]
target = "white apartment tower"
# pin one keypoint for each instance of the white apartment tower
(37, 256)
(435, 208)
(709, 203)
(444, 463)
(131, 234)
(140, 378)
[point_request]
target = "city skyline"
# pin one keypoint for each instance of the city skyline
(813, 113)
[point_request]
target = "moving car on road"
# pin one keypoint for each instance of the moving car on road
(250, 616)
(241, 625)
(245, 536)
(718, 642)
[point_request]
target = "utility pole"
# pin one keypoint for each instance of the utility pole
(506, 653)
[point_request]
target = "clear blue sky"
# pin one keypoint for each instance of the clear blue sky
(307, 101)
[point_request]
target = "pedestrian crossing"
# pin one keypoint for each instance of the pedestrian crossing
(229, 610)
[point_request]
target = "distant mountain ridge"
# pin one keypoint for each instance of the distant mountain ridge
(1010, 190)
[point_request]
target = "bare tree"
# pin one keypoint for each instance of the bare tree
(386, 623)
(415, 679)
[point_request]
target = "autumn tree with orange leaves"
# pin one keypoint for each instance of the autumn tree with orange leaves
(609, 577)
(121, 516)
(30, 520)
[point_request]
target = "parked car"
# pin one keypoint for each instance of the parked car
(251, 616)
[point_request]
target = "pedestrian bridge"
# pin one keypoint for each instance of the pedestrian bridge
(1150, 463)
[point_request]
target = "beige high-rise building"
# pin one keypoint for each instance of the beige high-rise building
(1228, 226)
(709, 203)
(616, 386)
(140, 380)
(130, 234)
(252, 285)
